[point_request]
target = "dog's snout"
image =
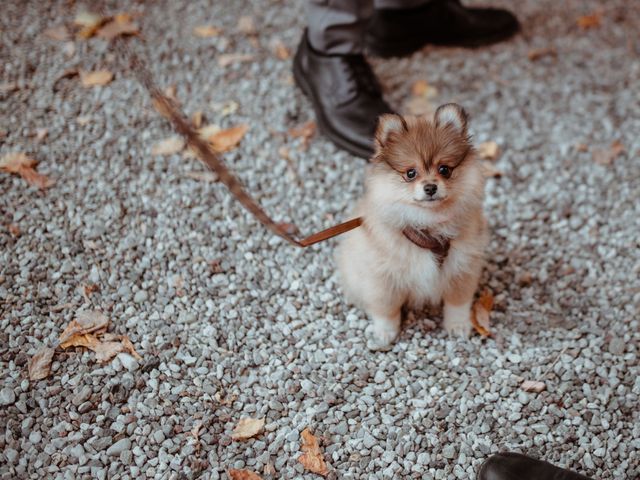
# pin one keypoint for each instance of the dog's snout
(430, 188)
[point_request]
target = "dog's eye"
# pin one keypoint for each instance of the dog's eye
(444, 171)
(412, 173)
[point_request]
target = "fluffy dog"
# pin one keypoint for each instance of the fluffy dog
(424, 233)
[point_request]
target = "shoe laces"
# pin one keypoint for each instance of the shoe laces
(360, 76)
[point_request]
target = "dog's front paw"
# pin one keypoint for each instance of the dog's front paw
(458, 325)
(380, 337)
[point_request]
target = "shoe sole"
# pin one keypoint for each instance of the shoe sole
(401, 49)
(323, 125)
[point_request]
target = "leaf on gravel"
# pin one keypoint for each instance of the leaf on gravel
(87, 340)
(40, 364)
(206, 31)
(121, 25)
(590, 21)
(96, 78)
(168, 146)
(489, 170)
(90, 23)
(247, 428)
(304, 131)
(480, 314)
(312, 458)
(228, 139)
(280, 50)
(128, 346)
(88, 321)
(8, 87)
(488, 150)
(105, 351)
(14, 230)
(538, 53)
(226, 108)
(607, 156)
(20, 164)
(243, 475)
(227, 59)
(246, 25)
(533, 386)
(57, 33)
(421, 88)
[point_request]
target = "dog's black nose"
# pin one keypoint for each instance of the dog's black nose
(430, 188)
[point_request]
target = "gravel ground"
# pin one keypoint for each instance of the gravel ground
(267, 333)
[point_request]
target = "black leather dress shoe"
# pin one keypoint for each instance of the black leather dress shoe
(514, 466)
(345, 94)
(400, 32)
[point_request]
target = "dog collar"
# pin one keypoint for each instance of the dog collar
(439, 246)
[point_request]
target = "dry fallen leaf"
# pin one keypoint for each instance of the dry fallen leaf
(488, 150)
(480, 314)
(538, 53)
(128, 347)
(96, 78)
(489, 170)
(590, 21)
(227, 59)
(247, 428)
(243, 475)
(533, 386)
(312, 458)
(206, 31)
(14, 230)
(87, 340)
(57, 33)
(228, 139)
(168, 146)
(607, 156)
(246, 25)
(20, 164)
(281, 51)
(304, 131)
(421, 88)
(40, 364)
(88, 321)
(90, 22)
(105, 351)
(121, 24)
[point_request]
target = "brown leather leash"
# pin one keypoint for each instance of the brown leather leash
(168, 109)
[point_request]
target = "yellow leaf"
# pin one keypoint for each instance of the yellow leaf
(90, 22)
(168, 146)
(312, 458)
(247, 428)
(95, 78)
(227, 139)
(206, 31)
(20, 164)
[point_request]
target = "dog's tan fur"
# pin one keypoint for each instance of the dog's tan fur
(381, 270)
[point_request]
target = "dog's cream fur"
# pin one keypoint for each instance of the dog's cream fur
(381, 270)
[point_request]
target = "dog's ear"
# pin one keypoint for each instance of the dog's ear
(452, 114)
(389, 124)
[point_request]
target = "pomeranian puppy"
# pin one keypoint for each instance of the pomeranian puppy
(424, 233)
